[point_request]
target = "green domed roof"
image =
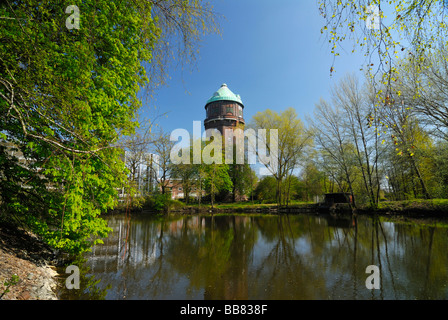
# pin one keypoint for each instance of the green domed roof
(225, 94)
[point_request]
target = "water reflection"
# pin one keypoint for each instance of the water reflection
(269, 257)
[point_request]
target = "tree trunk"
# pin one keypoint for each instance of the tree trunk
(279, 193)
(419, 176)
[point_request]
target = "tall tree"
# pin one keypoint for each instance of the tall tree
(162, 147)
(334, 143)
(293, 141)
(400, 122)
(242, 180)
(68, 95)
(216, 179)
(354, 103)
(142, 165)
(188, 173)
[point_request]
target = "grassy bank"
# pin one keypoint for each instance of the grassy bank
(432, 207)
(255, 205)
(412, 208)
(239, 207)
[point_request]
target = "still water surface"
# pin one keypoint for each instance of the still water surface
(266, 257)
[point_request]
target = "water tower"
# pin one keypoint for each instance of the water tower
(224, 110)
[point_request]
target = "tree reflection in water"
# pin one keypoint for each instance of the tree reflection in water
(270, 257)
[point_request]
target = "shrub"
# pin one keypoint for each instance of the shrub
(162, 202)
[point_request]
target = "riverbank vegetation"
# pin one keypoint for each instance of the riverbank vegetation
(69, 95)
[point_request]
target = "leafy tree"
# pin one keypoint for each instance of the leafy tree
(400, 122)
(67, 96)
(293, 142)
(266, 189)
(413, 163)
(162, 147)
(241, 176)
(385, 28)
(311, 182)
(290, 188)
(216, 179)
(188, 173)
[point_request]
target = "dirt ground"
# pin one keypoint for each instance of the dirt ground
(25, 256)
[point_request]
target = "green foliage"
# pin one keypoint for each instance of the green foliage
(311, 183)
(436, 170)
(266, 189)
(158, 201)
(243, 179)
(162, 202)
(67, 95)
(188, 175)
(294, 141)
(432, 205)
(8, 283)
(410, 28)
(216, 179)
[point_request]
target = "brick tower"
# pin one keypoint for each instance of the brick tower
(224, 110)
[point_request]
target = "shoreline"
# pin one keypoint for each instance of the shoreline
(32, 262)
(36, 264)
(401, 209)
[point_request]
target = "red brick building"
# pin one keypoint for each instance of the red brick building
(174, 186)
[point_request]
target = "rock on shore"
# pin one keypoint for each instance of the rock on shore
(25, 256)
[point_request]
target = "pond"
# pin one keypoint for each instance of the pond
(266, 257)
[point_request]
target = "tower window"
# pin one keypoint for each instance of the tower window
(230, 110)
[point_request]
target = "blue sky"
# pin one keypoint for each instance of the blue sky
(272, 53)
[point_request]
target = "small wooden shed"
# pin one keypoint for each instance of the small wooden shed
(340, 197)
